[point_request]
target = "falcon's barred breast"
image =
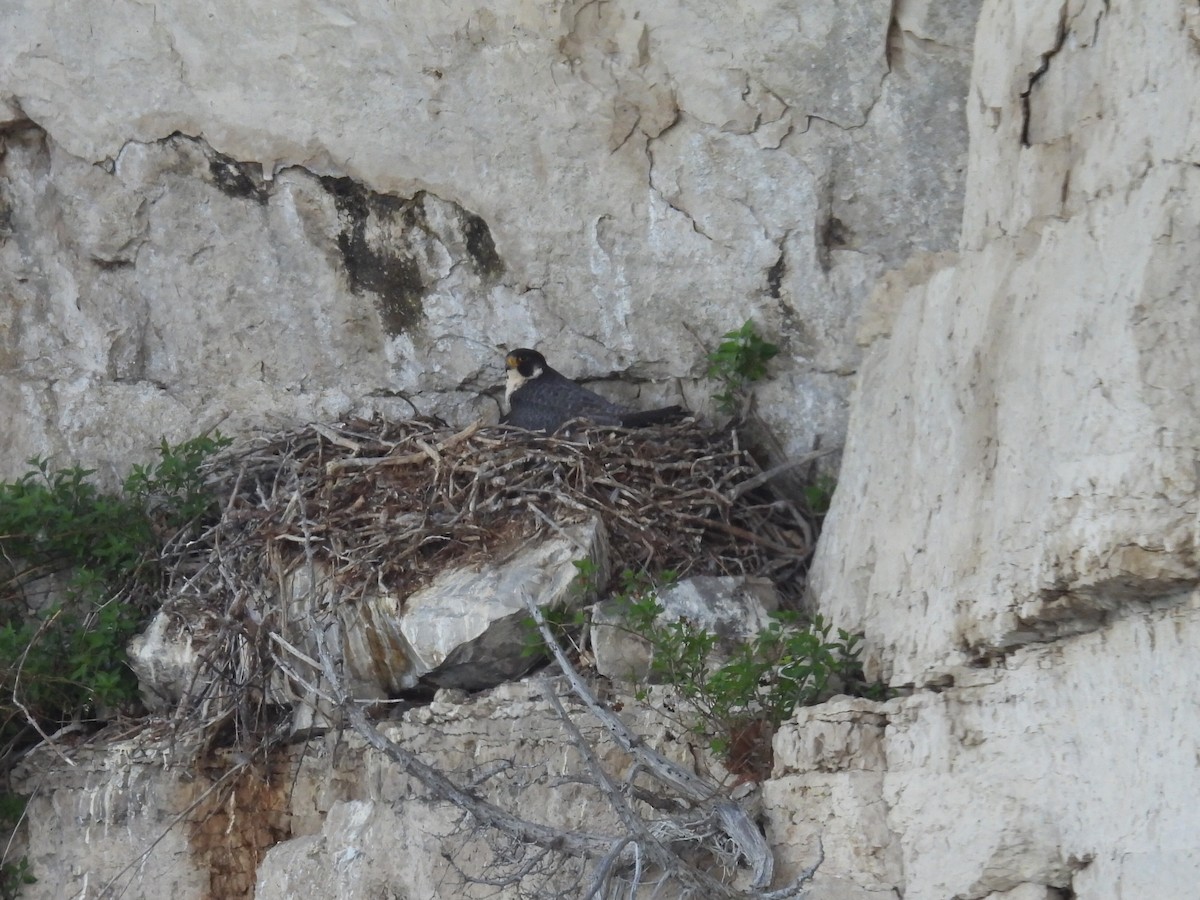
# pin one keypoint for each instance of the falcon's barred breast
(542, 399)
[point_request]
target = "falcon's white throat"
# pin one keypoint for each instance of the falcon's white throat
(515, 381)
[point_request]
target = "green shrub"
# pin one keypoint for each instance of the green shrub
(62, 657)
(739, 360)
(819, 495)
(65, 658)
(174, 488)
(13, 876)
(52, 521)
(738, 703)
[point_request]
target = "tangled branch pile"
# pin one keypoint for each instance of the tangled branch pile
(392, 504)
(305, 523)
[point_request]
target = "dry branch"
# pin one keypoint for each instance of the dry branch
(619, 861)
(379, 505)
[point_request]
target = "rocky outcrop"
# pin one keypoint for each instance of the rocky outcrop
(826, 795)
(189, 236)
(1016, 524)
(358, 835)
(258, 218)
(466, 629)
(733, 609)
(1044, 374)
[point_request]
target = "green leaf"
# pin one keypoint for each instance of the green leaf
(788, 664)
(70, 657)
(738, 361)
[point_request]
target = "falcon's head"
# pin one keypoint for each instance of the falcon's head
(521, 366)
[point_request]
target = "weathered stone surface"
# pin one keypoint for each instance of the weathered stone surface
(152, 300)
(88, 822)
(826, 794)
(1084, 753)
(463, 630)
(466, 628)
(355, 856)
(1042, 392)
(354, 822)
(606, 181)
(734, 609)
(839, 735)
(1028, 892)
(358, 816)
(1015, 527)
(355, 813)
(1006, 782)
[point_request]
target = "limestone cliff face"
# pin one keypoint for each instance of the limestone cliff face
(257, 213)
(264, 213)
(1016, 524)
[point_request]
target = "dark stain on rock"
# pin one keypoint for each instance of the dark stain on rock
(775, 277)
(480, 246)
(237, 179)
(795, 337)
(396, 247)
(374, 263)
(232, 827)
(6, 202)
(834, 234)
(6, 214)
(111, 265)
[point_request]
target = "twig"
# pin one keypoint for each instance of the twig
(763, 477)
(20, 667)
(334, 438)
(745, 836)
(427, 452)
(573, 843)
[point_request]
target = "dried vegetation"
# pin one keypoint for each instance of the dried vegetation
(392, 504)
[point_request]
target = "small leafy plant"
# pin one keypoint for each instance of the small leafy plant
(62, 644)
(565, 623)
(174, 486)
(566, 620)
(738, 702)
(14, 876)
(54, 520)
(739, 360)
(818, 495)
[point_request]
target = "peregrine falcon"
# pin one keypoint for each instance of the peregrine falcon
(541, 399)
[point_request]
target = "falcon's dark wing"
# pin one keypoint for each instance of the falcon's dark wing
(546, 402)
(542, 399)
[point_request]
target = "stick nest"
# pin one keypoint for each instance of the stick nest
(393, 504)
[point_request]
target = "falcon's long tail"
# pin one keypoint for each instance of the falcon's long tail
(641, 418)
